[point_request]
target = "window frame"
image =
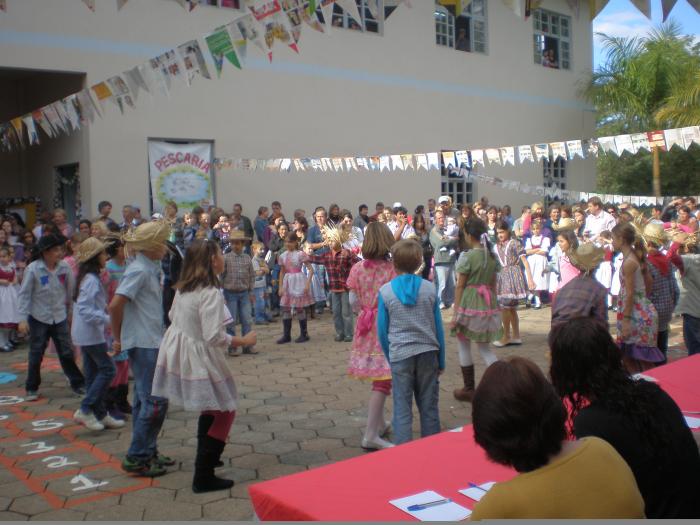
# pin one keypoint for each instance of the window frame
(473, 20)
(460, 189)
(544, 27)
(554, 173)
(365, 17)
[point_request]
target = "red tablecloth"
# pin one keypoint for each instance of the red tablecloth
(359, 489)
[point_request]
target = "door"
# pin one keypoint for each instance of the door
(67, 190)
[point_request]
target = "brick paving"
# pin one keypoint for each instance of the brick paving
(297, 410)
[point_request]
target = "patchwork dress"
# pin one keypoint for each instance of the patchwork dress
(294, 296)
(510, 286)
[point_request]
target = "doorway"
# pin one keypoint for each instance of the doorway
(67, 190)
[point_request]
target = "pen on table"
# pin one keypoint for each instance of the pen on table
(423, 506)
(475, 486)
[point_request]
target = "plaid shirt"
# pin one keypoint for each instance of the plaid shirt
(583, 296)
(338, 267)
(239, 275)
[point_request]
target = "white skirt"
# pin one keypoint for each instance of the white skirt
(604, 274)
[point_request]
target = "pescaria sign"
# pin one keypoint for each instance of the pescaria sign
(180, 173)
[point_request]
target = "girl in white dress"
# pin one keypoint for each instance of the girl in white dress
(191, 370)
(9, 315)
(537, 249)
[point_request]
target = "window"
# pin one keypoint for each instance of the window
(461, 25)
(372, 15)
(554, 173)
(455, 184)
(552, 39)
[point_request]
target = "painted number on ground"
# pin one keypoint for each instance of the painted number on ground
(41, 447)
(85, 483)
(43, 425)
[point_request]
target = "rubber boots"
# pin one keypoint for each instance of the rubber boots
(287, 337)
(304, 335)
(208, 455)
(467, 392)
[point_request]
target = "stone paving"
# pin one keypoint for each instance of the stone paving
(297, 410)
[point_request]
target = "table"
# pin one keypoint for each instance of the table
(359, 489)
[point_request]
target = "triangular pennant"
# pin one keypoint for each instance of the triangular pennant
(525, 153)
(640, 141)
(221, 46)
(596, 6)
(88, 104)
(294, 11)
(299, 165)
(449, 160)
(407, 159)
(384, 163)
(478, 157)
(558, 150)
(193, 60)
(90, 4)
(422, 161)
(286, 165)
(493, 156)
(31, 130)
(666, 7)
(657, 139)
(337, 163)
(326, 163)
(541, 151)
(249, 31)
(70, 112)
(158, 72)
(508, 155)
(44, 124)
(350, 164)
(673, 138)
(433, 161)
(310, 18)
(19, 131)
(607, 144)
(102, 92)
(327, 11)
(316, 164)
(350, 7)
(462, 158)
(690, 134)
(574, 148)
(269, 13)
(63, 115)
(240, 44)
(644, 6)
(362, 163)
(396, 162)
(590, 147)
(54, 119)
(121, 3)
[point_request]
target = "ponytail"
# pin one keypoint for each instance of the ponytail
(640, 251)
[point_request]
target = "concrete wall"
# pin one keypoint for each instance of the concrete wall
(346, 93)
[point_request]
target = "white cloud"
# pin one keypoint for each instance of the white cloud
(622, 24)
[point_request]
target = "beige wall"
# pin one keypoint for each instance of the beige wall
(345, 94)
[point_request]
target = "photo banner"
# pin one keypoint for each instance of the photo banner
(180, 173)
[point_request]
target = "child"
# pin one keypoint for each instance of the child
(136, 312)
(72, 247)
(260, 286)
(295, 291)
(238, 282)
(367, 361)
(604, 273)
(45, 303)
(537, 248)
(117, 400)
(510, 285)
(476, 314)
(88, 331)
(451, 233)
(567, 242)
(9, 316)
(409, 328)
(338, 262)
(191, 371)
(688, 306)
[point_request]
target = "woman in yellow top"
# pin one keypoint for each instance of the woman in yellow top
(520, 422)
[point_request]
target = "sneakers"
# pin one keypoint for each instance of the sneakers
(7, 348)
(142, 468)
(339, 338)
(163, 461)
(110, 422)
(348, 339)
(88, 420)
(31, 395)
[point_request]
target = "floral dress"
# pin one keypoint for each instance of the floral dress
(640, 346)
(294, 294)
(367, 360)
(478, 317)
(510, 286)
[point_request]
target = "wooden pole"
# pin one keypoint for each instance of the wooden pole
(656, 171)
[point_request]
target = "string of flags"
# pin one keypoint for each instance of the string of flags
(466, 163)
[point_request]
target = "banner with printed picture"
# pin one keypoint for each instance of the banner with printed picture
(180, 173)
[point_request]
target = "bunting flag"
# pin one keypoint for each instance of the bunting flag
(673, 138)
(624, 143)
(433, 161)
(31, 130)
(657, 140)
(193, 61)
(462, 158)
(607, 144)
(54, 119)
(350, 7)
(695, 4)
(690, 134)
(574, 148)
(136, 80)
(90, 4)
(337, 164)
(596, 6)
(667, 7)
(407, 160)
(350, 164)
(248, 30)
(240, 44)
(121, 3)
(43, 123)
(270, 15)
(294, 11)
(478, 157)
(69, 113)
(221, 46)
(310, 18)
(384, 163)
(17, 125)
(362, 163)
(525, 153)
(493, 156)
(449, 159)
(558, 150)
(644, 6)
(508, 155)
(421, 161)
(541, 151)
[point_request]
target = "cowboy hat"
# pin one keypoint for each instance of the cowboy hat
(565, 224)
(587, 257)
(654, 234)
(50, 241)
(89, 248)
(237, 235)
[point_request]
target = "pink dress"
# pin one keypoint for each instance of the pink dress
(295, 294)
(367, 360)
(567, 271)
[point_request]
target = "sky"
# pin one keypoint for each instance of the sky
(621, 18)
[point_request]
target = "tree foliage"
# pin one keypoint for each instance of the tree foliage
(647, 83)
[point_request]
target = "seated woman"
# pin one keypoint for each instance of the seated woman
(520, 422)
(640, 420)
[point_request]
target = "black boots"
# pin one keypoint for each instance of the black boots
(287, 336)
(304, 335)
(466, 393)
(122, 398)
(204, 423)
(208, 455)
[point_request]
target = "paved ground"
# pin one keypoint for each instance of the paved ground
(298, 410)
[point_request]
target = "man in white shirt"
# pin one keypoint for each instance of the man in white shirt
(598, 219)
(400, 228)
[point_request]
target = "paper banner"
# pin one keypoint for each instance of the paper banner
(350, 164)
(337, 163)
(102, 92)
(294, 10)
(462, 157)
(193, 61)
(90, 4)
(240, 43)
(221, 46)
(508, 155)
(362, 163)
(624, 143)
(449, 160)
(607, 144)
(326, 163)
(269, 13)
(299, 165)
(350, 7)
(541, 151)
(249, 31)
(310, 18)
(374, 163)
(690, 134)
(18, 127)
(478, 157)
(54, 119)
(590, 147)
(674, 138)
(574, 148)
(31, 130)
(407, 160)
(558, 150)
(525, 153)
(644, 6)
(422, 161)
(136, 81)
(666, 7)
(396, 162)
(433, 161)
(493, 156)
(384, 163)
(69, 112)
(657, 139)
(158, 71)
(640, 141)
(286, 165)
(121, 3)
(43, 123)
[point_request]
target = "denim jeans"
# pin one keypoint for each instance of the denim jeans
(260, 305)
(148, 411)
(342, 313)
(445, 283)
(691, 333)
(274, 296)
(99, 371)
(416, 376)
(39, 334)
(238, 304)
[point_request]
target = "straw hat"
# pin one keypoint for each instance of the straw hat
(565, 224)
(89, 248)
(238, 235)
(147, 236)
(654, 234)
(587, 257)
(333, 235)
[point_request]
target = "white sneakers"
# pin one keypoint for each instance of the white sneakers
(92, 423)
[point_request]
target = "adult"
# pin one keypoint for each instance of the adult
(176, 224)
(104, 210)
(598, 220)
(276, 211)
(362, 219)
(243, 221)
(378, 211)
(128, 218)
(317, 243)
(334, 214)
(422, 232)
(355, 235)
(84, 227)
(636, 417)
(580, 220)
(507, 215)
(553, 220)
(582, 296)
(261, 223)
(60, 219)
(277, 247)
(445, 203)
(520, 422)
(444, 256)
(400, 228)
(518, 224)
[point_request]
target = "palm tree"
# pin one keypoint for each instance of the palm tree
(637, 80)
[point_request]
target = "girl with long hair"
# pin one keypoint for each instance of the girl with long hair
(422, 231)
(191, 370)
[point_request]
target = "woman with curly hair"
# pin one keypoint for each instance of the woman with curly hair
(636, 417)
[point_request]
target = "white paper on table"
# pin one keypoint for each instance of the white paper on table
(458, 429)
(446, 512)
(477, 493)
(645, 377)
(692, 422)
